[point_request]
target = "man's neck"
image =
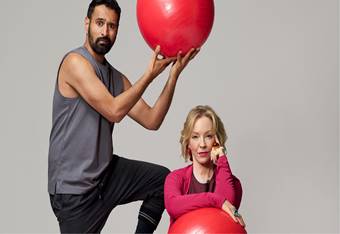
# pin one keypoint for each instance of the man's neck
(99, 58)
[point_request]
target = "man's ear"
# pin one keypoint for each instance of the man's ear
(87, 24)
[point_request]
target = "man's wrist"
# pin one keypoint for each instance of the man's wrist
(173, 78)
(148, 77)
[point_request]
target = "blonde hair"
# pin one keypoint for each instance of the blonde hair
(196, 113)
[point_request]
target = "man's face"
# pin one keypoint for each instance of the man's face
(102, 29)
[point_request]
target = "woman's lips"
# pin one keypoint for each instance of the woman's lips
(203, 154)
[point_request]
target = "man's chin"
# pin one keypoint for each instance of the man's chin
(101, 50)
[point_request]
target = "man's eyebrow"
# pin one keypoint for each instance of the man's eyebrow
(104, 20)
(113, 23)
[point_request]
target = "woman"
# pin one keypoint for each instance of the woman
(208, 181)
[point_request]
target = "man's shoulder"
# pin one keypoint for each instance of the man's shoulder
(73, 52)
(73, 58)
(78, 54)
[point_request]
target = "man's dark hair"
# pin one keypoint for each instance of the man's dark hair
(112, 4)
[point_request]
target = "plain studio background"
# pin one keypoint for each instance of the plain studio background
(269, 68)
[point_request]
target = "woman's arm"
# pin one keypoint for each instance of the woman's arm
(177, 203)
(225, 185)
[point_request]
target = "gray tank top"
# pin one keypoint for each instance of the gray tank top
(81, 139)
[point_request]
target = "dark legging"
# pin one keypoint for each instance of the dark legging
(123, 182)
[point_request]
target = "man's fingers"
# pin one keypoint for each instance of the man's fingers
(179, 57)
(167, 61)
(160, 57)
(156, 52)
(154, 56)
(195, 53)
(158, 49)
(189, 54)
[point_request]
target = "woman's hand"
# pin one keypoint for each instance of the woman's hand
(232, 211)
(216, 151)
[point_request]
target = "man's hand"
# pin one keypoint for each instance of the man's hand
(157, 65)
(181, 62)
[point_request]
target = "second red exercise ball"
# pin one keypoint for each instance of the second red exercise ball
(206, 220)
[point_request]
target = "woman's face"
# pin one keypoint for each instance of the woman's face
(201, 140)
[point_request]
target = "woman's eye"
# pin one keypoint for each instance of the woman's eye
(194, 137)
(209, 136)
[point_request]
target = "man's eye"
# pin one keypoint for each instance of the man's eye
(112, 26)
(100, 23)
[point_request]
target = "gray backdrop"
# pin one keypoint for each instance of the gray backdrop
(269, 68)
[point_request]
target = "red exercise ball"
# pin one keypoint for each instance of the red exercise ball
(175, 25)
(206, 220)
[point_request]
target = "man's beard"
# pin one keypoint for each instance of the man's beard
(101, 45)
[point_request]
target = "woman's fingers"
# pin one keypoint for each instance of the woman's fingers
(217, 140)
(229, 208)
(240, 221)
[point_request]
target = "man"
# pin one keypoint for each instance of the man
(85, 180)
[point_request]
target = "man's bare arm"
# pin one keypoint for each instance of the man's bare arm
(80, 75)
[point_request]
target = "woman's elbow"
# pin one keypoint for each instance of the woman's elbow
(170, 208)
(238, 192)
(172, 213)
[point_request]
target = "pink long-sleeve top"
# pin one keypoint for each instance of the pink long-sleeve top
(176, 189)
